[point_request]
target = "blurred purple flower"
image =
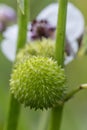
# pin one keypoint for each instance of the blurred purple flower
(40, 29)
(7, 15)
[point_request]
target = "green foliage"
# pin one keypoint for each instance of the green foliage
(38, 82)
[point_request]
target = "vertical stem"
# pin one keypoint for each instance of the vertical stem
(13, 117)
(56, 117)
(43, 123)
(56, 114)
(22, 22)
(61, 27)
(14, 111)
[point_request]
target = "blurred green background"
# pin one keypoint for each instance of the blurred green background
(75, 111)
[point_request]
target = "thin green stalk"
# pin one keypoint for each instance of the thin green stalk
(56, 117)
(22, 22)
(56, 114)
(43, 123)
(13, 117)
(15, 107)
(61, 28)
(75, 91)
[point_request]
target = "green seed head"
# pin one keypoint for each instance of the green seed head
(44, 47)
(38, 82)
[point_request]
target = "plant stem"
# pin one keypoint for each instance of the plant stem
(22, 22)
(60, 36)
(43, 120)
(75, 91)
(14, 112)
(56, 114)
(56, 117)
(15, 107)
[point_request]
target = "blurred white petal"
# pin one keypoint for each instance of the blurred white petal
(75, 20)
(10, 40)
(68, 59)
(74, 47)
(9, 43)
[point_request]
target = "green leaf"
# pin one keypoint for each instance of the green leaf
(21, 5)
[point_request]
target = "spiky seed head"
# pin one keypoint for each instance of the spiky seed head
(44, 47)
(38, 82)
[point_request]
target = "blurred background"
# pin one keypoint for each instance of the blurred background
(35, 8)
(75, 111)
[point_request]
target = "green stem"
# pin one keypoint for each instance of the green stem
(56, 114)
(43, 120)
(60, 36)
(56, 117)
(15, 107)
(23, 22)
(13, 117)
(75, 91)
